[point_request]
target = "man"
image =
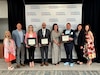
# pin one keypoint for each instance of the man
(69, 44)
(44, 33)
(18, 36)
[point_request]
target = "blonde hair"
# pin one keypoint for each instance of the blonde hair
(32, 28)
(7, 36)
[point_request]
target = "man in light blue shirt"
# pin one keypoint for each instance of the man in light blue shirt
(18, 36)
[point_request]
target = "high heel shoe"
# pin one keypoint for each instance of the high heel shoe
(89, 62)
(10, 68)
(32, 64)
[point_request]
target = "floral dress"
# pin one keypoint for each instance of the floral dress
(9, 50)
(89, 48)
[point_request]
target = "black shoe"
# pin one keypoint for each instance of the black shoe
(42, 63)
(17, 66)
(22, 64)
(46, 63)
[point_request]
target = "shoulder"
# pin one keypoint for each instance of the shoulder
(34, 32)
(90, 32)
(14, 31)
(5, 39)
(26, 33)
(23, 31)
(11, 40)
(39, 30)
(72, 30)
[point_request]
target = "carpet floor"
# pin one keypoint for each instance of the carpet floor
(49, 72)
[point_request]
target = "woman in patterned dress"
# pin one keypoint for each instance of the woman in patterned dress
(89, 49)
(55, 38)
(9, 49)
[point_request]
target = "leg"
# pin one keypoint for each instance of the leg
(18, 56)
(30, 54)
(10, 67)
(81, 59)
(46, 55)
(22, 54)
(42, 55)
(70, 52)
(33, 49)
(78, 53)
(67, 52)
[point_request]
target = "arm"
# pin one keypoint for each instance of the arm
(49, 35)
(13, 36)
(25, 38)
(53, 38)
(91, 35)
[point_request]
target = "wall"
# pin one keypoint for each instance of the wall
(3, 18)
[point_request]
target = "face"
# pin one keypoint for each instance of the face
(43, 25)
(19, 26)
(7, 34)
(86, 27)
(68, 26)
(30, 28)
(55, 27)
(79, 27)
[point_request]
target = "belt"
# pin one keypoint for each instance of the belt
(21, 43)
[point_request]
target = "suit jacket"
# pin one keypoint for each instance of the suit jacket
(71, 34)
(47, 35)
(16, 37)
(81, 38)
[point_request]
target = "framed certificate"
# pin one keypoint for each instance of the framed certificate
(31, 41)
(65, 38)
(44, 41)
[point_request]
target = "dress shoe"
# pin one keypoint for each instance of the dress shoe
(17, 66)
(42, 63)
(22, 64)
(46, 63)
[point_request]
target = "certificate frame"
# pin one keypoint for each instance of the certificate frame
(44, 41)
(31, 41)
(65, 38)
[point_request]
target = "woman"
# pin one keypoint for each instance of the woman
(89, 49)
(55, 39)
(79, 43)
(9, 49)
(31, 34)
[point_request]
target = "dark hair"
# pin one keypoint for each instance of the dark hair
(78, 26)
(54, 25)
(89, 26)
(86, 32)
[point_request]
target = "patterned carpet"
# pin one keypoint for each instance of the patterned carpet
(49, 72)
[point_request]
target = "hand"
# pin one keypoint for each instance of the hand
(70, 39)
(49, 43)
(27, 46)
(81, 47)
(39, 45)
(58, 44)
(36, 45)
(62, 33)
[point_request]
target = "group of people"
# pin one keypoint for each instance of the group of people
(81, 38)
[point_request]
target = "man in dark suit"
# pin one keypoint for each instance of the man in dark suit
(69, 44)
(44, 33)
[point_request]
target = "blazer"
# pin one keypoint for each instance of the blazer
(16, 37)
(81, 38)
(47, 35)
(72, 35)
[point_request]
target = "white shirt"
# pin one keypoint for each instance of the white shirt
(43, 32)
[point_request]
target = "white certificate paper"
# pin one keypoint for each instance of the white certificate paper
(31, 42)
(44, 41)
(65, 38)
